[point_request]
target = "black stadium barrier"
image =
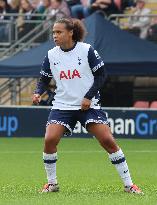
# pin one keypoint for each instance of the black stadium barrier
(19, 121)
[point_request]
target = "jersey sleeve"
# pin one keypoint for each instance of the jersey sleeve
(94, 60)
(46, 71)
(45, 77)
(99, 79)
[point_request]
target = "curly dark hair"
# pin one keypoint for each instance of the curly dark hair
(79, 30)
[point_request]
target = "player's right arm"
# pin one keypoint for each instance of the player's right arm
(43, 82)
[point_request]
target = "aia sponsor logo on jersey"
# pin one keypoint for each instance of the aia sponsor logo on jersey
(69, 74)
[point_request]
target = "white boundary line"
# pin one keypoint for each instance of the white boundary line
(49, 107)
(77, 151)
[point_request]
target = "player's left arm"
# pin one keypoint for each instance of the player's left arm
(99, 72)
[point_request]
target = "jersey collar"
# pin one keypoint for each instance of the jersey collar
(70, 49)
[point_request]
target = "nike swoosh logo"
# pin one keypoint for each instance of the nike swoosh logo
(125, 171)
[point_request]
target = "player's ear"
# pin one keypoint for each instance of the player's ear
(71, 33)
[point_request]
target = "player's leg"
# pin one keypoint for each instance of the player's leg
(96, 123)
(103, 134)
(53, 134)
(59, 123)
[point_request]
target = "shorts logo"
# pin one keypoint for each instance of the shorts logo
(69, 74)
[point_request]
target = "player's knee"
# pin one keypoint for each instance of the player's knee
(107, 139)
(50, 139)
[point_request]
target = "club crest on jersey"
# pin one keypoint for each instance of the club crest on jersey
(69, 74)
(79, 60)
(56, 63)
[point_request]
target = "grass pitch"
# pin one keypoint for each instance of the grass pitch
(85, 174)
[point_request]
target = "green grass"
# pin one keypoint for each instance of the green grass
(85, 174)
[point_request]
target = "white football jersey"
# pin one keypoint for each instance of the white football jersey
(72, 71)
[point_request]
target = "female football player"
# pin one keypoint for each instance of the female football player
(79, 73)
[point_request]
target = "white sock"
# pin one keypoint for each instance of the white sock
(118, 159)
(50, 167)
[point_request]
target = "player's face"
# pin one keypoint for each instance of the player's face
(62, 37)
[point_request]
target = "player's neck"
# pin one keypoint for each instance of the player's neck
(68, 45)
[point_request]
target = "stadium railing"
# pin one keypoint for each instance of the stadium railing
(6, 24)
(12, 89)
(12, 34)
(121, 20)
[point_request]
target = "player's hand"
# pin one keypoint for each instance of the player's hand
(86, 103)
(36, 99)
